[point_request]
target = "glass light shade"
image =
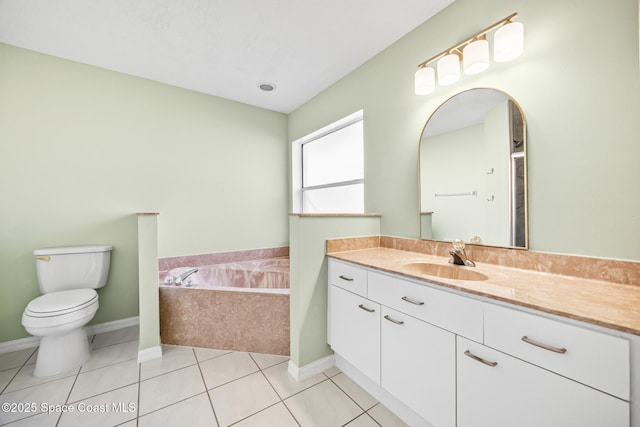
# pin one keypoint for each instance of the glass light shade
(508, 42)
(425, 80)
(448, 69)
(475, 57)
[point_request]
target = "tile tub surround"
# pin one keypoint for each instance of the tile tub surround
(231, 319)
(609, 296)
(225, 319)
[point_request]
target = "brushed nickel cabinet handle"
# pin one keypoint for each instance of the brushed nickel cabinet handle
(348, 279)
(412, 301)
(370, 310)
(480, 359)
(397, 322)
(542, 345)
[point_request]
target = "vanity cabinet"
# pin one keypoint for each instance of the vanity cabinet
(454, 360)
(418, 366)
(354, 330)
(497, 390)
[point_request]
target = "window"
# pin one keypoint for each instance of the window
(328, 168)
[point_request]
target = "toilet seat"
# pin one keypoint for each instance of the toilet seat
(59, 303)
(58, 309)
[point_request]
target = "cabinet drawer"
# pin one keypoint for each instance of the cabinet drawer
(495, 389)
(592, 358)
(454, 313)
(349, 277)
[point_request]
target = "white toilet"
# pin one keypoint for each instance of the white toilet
(67, 277)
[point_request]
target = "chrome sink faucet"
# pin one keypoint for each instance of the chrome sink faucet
(458, 255)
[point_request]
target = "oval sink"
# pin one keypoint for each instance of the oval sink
(445, 271)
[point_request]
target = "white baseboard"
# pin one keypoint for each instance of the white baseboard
(30, 342)
(310, 369)
(19, 344)
(149, 354)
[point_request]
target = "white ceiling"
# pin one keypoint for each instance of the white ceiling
(219, 47)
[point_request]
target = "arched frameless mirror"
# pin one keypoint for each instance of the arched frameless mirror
(473, 171)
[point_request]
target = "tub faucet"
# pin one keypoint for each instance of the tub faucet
(184, 276)
(458, 256)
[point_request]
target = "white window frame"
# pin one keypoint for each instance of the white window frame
(296, 160)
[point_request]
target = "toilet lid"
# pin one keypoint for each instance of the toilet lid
(57, 303)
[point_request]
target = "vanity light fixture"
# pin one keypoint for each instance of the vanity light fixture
(508, 42)
(475, 56)
(448, 69)
(425, 81)
(473, 53)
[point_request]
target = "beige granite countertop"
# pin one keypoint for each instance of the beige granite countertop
(603, 303)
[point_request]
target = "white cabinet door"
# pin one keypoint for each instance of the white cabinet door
(497, 390)
(354, 330)
(419, 367)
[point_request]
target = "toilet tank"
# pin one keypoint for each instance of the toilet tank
(72, 267)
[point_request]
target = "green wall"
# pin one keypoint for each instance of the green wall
(82, 149)
(309, 278)
(582, 118)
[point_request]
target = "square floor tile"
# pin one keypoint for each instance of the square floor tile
(115, 337)
(167, 389)
(385, 417)
(108, 409)
(15, 359)
(228, 367)
(110, 355)
(105, 379)
(40, 420)
(203, 354)
(25, 378)
(51, 393)
(195, 411)
(241, 398)
(6, 376)
(354, 391)
(364, 420)
(323, 405)
(267, 360)
(34, 357)
(274, 416)
(284, 383)
(173, 357)
(333, 371)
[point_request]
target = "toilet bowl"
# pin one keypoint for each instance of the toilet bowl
(58, 318)
(67, 278)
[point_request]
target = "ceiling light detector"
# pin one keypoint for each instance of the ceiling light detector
(266, 87)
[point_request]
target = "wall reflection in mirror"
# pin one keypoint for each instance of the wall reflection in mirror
(473, 181)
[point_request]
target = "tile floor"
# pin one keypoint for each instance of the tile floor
(187, 387)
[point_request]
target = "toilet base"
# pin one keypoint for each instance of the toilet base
(61, 353)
